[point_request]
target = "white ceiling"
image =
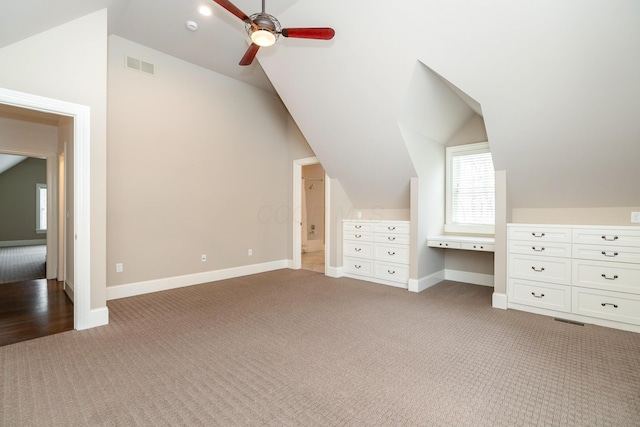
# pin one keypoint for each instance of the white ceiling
(557, 83)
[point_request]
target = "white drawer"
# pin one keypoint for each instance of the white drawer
(540, 234)
(392, 227)
(612, 276)
(617, 237)
(477, 246)
(607, 253)
(391, 271)
(358, 236)
(545, 269)
(401, 239)
(441, 244)
(544, 295)
(363, 267)
(357, 226)
(615, 306)
(536, 248)
(394, 253)
(358, 249)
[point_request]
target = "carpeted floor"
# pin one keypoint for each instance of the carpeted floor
(19, 263)
(295, 348)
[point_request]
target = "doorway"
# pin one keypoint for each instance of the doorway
(311, 219)
(312, 234)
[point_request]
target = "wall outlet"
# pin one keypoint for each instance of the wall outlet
(204, 258)
(249, 252)
(119, 267)
(635, 216)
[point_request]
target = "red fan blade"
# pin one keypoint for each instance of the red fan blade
(309, 33)
(234, 10)
(247, 59)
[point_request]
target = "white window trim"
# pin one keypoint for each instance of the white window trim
(450, 227)
(39, 187)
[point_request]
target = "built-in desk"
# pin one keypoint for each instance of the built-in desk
(468, 243)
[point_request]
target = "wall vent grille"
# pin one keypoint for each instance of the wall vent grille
(139, 65)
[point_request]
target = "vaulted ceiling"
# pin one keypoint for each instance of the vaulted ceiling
(557, 83)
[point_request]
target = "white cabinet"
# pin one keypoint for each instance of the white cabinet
(377, 251)
(588, 274)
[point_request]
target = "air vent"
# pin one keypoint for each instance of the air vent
(139, 65)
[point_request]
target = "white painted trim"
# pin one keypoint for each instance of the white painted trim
(334, 272)
(140, 288)
(426, 282)
(467, 277)
(499, 301)
(8, 243)
(83, 317)
(68, 289)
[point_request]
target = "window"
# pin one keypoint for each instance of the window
(41, 208)
(470, 189)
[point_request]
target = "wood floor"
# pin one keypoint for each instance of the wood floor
(33, 309)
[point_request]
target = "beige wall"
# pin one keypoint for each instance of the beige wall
(18, 200)
(198, 164)
(314, 197)
(578, 216)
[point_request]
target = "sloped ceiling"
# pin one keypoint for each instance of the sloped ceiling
(557, 83)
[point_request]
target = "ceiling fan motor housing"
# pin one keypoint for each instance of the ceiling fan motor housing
(266, 22)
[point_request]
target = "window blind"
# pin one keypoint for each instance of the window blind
(473, 189)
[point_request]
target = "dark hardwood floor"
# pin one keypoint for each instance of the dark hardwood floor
(33, 309)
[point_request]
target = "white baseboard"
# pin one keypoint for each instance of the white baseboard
(426, 282)
(98, 317)
(466, 277)
(7, 243)
(68, 289)
(334, 272)
(140, 288)
(499, 301)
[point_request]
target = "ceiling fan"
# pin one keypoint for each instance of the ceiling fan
(264, 30)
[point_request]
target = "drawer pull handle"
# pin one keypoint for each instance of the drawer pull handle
(391, 253)
(608, 303)
(391, 228)
(611, 239)
(391, 238)
(357, 249)
(537, 249)
(537, 296)
(534, 234)
(538, 270)
(445, 244)
(358, 236)
(391, 272)
(357, 266)
(607, 254)
(610, 278)
(358, 227)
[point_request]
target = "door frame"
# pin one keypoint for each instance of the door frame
(297, 213)
(82, 314)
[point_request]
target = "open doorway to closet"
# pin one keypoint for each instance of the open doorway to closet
(312, 235)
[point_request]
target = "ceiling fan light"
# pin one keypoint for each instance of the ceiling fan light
(263, 38)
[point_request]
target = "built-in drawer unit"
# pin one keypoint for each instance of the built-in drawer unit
(377, 251)
(543, 295)
(468, 243)
(591, 273)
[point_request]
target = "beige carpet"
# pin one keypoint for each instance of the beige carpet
(294, 348)
(19, 263)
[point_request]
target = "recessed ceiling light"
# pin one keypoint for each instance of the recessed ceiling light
(205, 10)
